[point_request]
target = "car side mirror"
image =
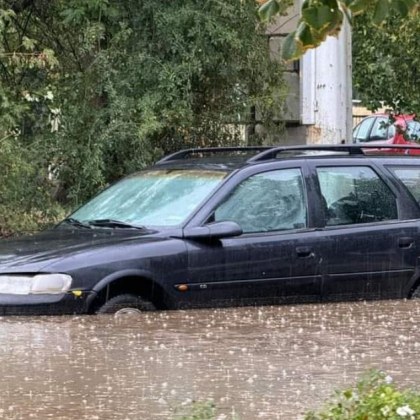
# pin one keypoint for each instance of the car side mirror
(215, 230)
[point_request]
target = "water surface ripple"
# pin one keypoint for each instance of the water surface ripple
(259, 362)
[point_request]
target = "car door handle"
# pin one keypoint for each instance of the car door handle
(405, 242)
(304, 252)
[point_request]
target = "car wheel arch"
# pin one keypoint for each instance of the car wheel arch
(415, 291)
(136, 282)
(414, 287)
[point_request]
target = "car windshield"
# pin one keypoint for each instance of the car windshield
(152, 198)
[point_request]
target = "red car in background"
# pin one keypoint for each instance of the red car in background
(383, 129)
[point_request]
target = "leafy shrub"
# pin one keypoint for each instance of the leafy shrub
(198, 411)
(201, 410)
(375, 397)
(26, 191)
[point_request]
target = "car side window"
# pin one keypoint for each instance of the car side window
(266, 202)
(410, 177)
(361, 132)
(379, 129)
(355, 195)
(413, 131)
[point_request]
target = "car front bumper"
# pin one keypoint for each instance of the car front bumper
(60, 304)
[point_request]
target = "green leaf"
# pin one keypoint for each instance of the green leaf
(28, 43)
(7, 14)
(322, 20)
(358, 6)
(269, 9)
(307, 37)
(73, 15)
(381, 11)
(401, 7)
(318, 17)
(50, 57)
(291, 49)
(336, 22)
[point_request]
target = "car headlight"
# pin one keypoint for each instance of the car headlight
(32, 285)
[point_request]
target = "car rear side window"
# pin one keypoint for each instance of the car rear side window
(355, 195)
(413, 131)
(410, 177)
(270, 201)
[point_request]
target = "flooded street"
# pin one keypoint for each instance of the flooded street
(264, 362)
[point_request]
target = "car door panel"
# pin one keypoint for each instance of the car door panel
(368, 262)
(368, 253)
(256, 269)
(276, 259)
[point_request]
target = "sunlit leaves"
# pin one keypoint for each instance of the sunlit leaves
(322, 18)
(5, 16)
(28, 43)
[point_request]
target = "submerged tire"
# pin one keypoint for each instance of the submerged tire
(126, 304)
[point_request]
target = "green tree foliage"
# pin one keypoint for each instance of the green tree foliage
(93, 89)
(386, 62)
(321, 18)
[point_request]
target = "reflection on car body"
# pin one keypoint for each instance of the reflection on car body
(229, 226)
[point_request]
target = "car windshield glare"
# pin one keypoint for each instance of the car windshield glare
(152, 198)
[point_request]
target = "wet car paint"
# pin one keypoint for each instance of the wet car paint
(317, 263)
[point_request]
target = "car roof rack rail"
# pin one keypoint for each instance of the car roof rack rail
(274, 151)
(183, 154)
(270, 152)
(350, 149)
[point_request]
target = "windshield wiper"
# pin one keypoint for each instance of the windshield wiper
(111, 223)
(75, 222)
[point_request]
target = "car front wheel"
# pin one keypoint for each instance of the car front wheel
(125, 304)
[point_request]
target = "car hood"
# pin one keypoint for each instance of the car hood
(33, 253)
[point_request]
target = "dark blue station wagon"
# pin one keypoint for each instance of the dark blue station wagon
(229, 226)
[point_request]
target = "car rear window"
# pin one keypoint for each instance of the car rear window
(410, 177)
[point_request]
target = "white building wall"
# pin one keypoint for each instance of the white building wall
(326, 90)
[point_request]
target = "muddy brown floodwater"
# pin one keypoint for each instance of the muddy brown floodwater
(263, 362)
